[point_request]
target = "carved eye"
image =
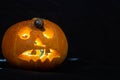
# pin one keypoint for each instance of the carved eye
(24, 33)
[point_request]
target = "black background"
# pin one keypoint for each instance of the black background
(91, 27)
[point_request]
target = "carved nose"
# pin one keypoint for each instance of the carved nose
(38, 43)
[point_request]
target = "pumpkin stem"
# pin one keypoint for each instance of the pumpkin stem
(38, 22)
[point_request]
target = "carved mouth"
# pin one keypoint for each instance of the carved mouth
(39, 54)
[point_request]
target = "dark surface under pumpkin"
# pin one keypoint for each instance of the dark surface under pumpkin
(65, 71)
(68, 70)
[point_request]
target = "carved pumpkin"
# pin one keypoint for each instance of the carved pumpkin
(35, 44)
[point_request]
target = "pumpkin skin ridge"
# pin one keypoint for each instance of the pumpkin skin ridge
(3, 44)
(10, 29)
(62, 42)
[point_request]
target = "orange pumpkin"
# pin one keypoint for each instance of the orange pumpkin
(35, 44)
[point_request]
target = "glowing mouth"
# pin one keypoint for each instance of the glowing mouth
(38, 54)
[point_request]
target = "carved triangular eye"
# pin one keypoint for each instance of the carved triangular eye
(39, 23)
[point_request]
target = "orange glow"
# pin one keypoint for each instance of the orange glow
(38, 42)
(24, 33)
(40, 55)
(48, 33)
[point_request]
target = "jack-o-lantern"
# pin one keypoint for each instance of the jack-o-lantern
(35, 44)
